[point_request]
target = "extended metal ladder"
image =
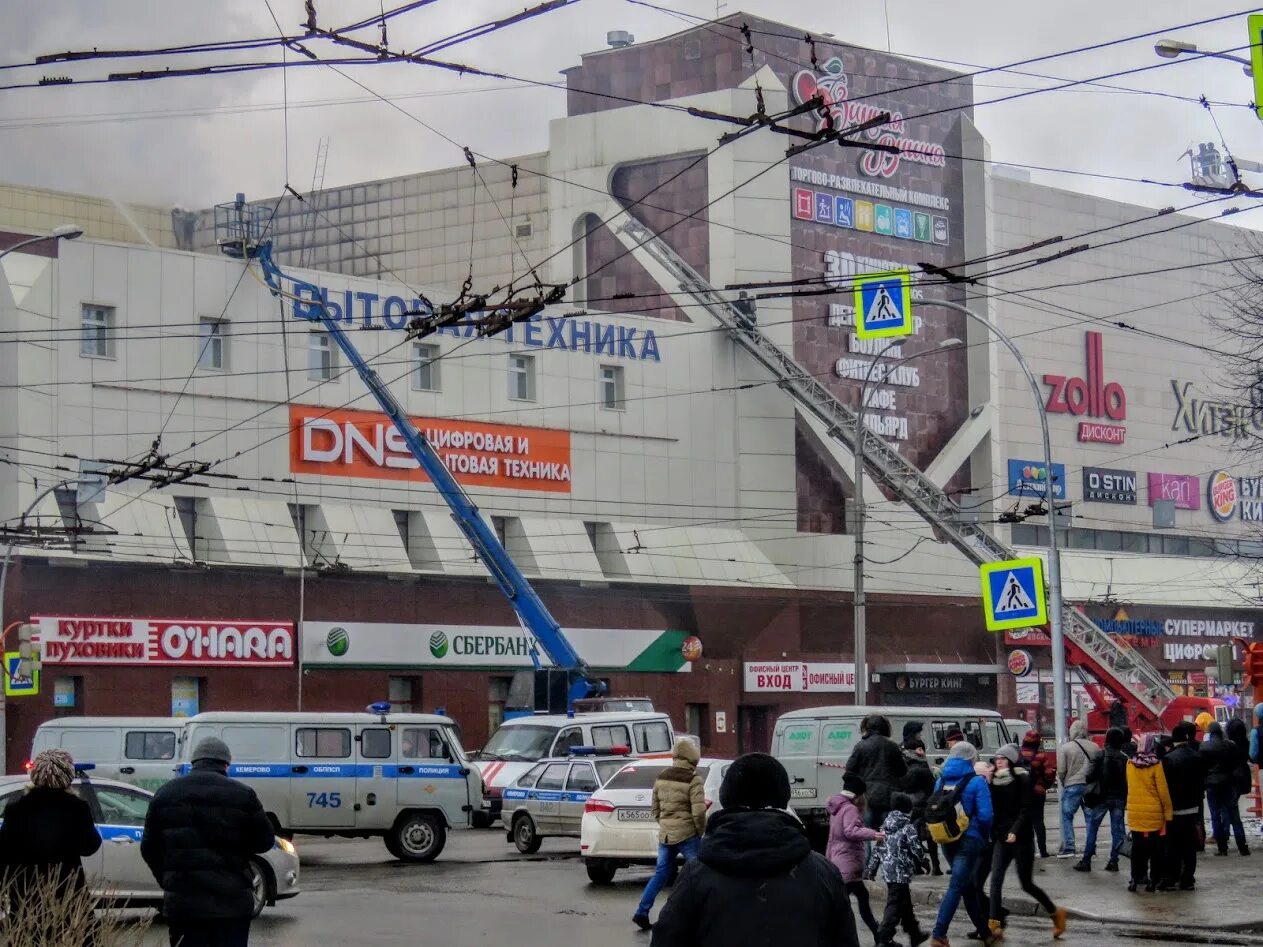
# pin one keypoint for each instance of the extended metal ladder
(1111, 660)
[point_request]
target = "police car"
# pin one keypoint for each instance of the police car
(547, 800)
(118, 875)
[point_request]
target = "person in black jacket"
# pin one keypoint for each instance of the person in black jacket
(918, 784)
(1223, 760)
(199, 834)
(756, 882)
(878, 761)
(1014, 806)
(1242, 780)
(46, 833)
(1109, 774)
(1185, 771)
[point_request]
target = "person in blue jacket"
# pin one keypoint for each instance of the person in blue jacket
(1256, 750)
(965, 853)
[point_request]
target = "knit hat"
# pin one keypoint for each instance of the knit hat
(853, 784)
(964, 750)
(912, 729)
(1114, 738)
(212, 748)
(901, 802)
(1183, 732)
(1011, 753)
(53, 769)
(755, 781)
(912, 744)
(686, 751)
(955, 734)
(1204, 720)
(1032, 739)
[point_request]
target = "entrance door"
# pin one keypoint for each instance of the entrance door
(322, 778)
(754, 729)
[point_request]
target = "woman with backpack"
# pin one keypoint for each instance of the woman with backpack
(1013, 804)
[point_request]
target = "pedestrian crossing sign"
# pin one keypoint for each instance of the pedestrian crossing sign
(1013, 594)
(16, 685)
(883, 304)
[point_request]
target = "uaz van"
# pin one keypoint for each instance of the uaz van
(522, 742)
(402, 777)
(142, 751)
(815, 744)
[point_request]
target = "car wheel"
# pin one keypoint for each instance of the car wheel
(526, 836)
(260, 886)
(417, 837)
(601, 871)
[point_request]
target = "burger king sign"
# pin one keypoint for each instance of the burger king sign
(1020, 663)
(1222, 495)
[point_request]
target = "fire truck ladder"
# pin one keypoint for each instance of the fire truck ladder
(1114, 663)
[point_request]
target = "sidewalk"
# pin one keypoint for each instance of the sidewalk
(1227, 897)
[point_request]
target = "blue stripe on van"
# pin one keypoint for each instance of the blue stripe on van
(340, 771)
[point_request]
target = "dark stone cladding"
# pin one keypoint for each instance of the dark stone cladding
(735, 624)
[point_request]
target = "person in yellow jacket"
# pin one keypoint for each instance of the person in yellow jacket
(1148, 812)
(679, 806)
(1203, 722)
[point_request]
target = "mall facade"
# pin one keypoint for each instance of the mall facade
(649, 477)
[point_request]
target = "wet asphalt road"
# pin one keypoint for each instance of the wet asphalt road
(480, 892)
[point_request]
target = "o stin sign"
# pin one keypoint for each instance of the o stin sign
(1093, 396)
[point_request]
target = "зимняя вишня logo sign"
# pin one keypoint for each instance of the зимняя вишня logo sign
(438, 644)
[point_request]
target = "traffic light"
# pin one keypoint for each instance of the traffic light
(1254, 663)
(28, 654)
(1224, 664)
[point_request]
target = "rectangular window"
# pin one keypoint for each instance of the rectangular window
(522, 377)
(403, 694)
(425, 375)
(324, 742)
(211, 344)
(652, 738)
(612, 735)
(320, 356)
(582, 778)
(96, 337)
(554, 777)
(375, 743)
(613, 395)
(697, 720)
(422, 743)
(149, 745)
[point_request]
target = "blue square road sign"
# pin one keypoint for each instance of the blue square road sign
(1013, 593)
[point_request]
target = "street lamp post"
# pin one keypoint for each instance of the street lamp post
(64, 232)
(1054, 555)
(861, 619)
(1173, 48)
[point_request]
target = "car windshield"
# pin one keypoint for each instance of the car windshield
(642, 777)
(519, 743)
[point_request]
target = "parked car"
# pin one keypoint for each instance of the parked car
(118, 875)
(547, 800)
(618, 827)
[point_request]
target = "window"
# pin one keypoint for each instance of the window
(521, 743)
(211, 344)
(582, 778)
(696, 721)
(553, 777)
(973, 732)
(568, 738)
(642, 775)
(122, 806)
(653, 737)
(521, 231)
(613, 395)
(425, 375)
(522, 377)
(613, 735)
(256, 744)
(324, 742)
(320, 356)
(940, 729)
(605, 769)
(530, 777)
(96, 339)
(149, 745)
(422, 743)
(402, 693)
(991, 734)
(375, 743)
(497, 700)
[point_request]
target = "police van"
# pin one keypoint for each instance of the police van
(401, 777)
(522, 742)
(547, 800)
(138, 750)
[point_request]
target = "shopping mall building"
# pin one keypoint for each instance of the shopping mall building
(652, 479)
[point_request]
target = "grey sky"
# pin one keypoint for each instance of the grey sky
(196, 141)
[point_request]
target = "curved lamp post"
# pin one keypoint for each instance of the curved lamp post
(861, 620)
(64, 232)
(1174, 48)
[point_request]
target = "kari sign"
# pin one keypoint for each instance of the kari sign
(165, 641)
(799, 676)
(343, 443)
(1181, 489)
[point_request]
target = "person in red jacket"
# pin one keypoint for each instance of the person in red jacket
(1043, 775)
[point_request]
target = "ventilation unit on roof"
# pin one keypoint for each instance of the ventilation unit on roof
(619, 39)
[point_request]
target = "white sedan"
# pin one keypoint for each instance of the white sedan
(618, 827)
(117, 873)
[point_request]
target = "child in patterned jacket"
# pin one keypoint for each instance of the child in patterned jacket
(895, 861)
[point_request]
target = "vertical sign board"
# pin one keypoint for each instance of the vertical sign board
(1013, 593)
(1256, 57)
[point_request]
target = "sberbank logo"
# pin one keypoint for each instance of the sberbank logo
(438, 644)
(338, 641)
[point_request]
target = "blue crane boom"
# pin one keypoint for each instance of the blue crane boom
(531, 611)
